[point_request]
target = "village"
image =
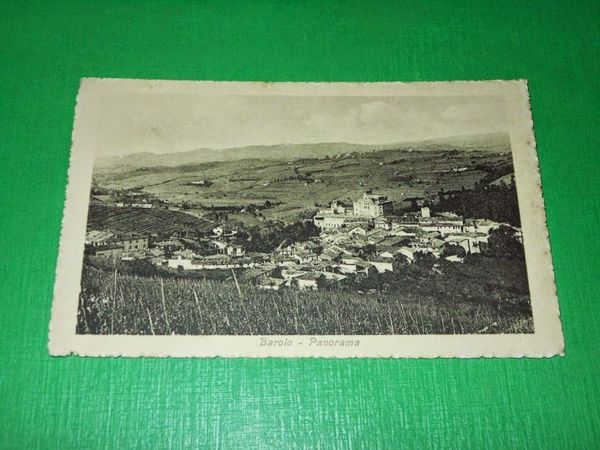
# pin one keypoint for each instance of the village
(353, 240)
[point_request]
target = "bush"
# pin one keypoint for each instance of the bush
(453, 250)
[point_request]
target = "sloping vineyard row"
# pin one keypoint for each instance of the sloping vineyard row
(137, 220)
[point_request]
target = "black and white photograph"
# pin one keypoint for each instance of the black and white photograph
(314, 218)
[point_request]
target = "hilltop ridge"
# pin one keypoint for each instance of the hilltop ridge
(491, 142)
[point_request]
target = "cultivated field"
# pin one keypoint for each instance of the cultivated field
(138, 220)
(112, 302)
(296, 185)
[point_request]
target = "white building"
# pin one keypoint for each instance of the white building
(235, 250)
(337, 221)
(471, 244)
(409, 252)
(97, 237)
(329, 220)
(479, 226)
(373, 205)
(363, 212)
(308, 281)
(383, 223)
(444, 226)
(382, 264)
(271, 283)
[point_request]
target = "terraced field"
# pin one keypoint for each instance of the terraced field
(136, 220)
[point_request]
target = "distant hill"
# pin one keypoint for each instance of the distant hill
(497, 142)
(296, 187)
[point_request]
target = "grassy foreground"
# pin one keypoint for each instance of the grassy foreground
(112, 302)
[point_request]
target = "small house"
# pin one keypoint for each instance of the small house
(97, 237)
(309, 281)
(106, 251)
(382, 264)
(234, 250)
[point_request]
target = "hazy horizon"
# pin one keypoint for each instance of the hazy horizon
(283, 144)
(167, 124)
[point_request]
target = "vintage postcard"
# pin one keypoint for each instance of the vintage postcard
(304, 220)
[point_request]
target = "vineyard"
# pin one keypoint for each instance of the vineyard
(137, 220)
(114, 303)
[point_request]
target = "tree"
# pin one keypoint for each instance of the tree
(493, 202)
(399, 262)
(503, 243)
(267, 237)
(441, 195)
(453, 250)
(424, 259)
(368, 250)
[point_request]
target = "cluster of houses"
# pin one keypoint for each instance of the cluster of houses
(104, 243)
(129, 199)
(366, 237)
(354, 241)
(180, 250)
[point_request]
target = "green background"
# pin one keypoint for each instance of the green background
(46, 47)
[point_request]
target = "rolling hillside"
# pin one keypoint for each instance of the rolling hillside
(492, 142)
(135, 220)
(296, 187)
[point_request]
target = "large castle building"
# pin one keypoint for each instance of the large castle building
(373, 205)
(362, 212)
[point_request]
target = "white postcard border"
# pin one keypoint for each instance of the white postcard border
(546, 341)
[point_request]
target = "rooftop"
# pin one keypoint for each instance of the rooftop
(107, 247)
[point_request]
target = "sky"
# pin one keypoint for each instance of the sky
(161, 123)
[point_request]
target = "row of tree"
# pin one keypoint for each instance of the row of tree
(497, 202)
(271, 234)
